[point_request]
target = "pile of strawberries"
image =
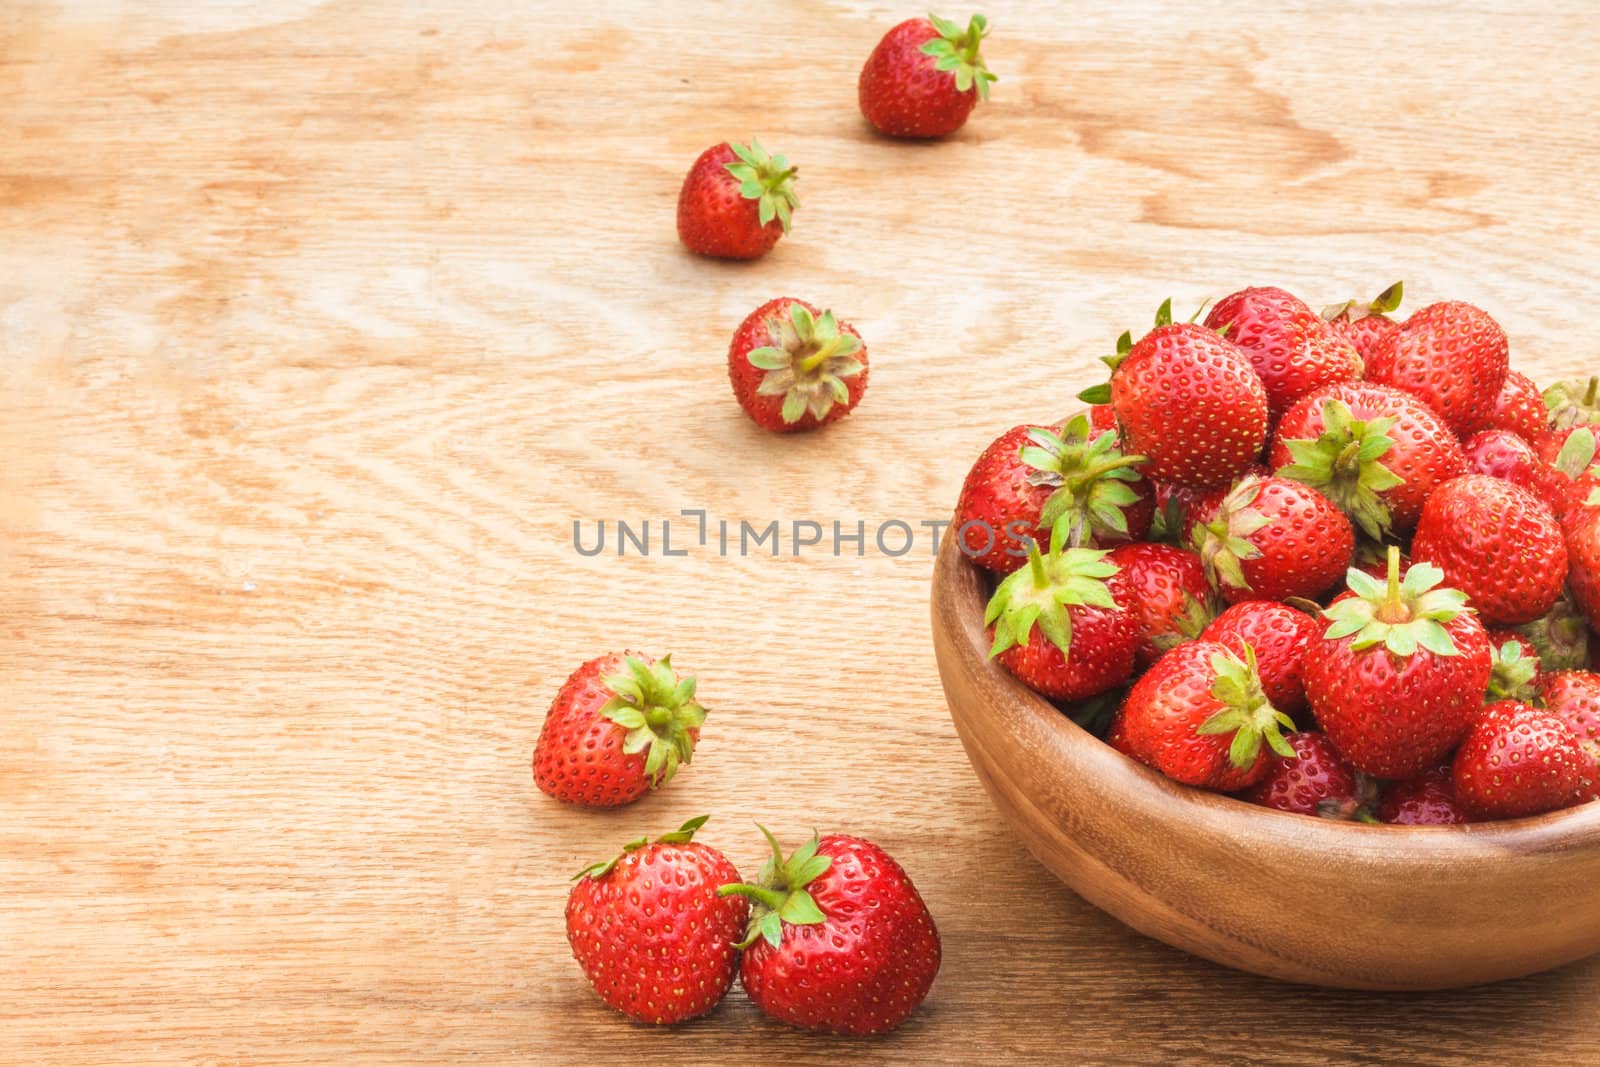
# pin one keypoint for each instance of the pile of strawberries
(834, 937)
(1342, 564)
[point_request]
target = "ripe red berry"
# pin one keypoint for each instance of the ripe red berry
(736, 201)
(795, 368)
(1292, 348)
(1316, 780)
(924, 77)
(1429, 799)
(1520, 760)
(1366, 323)
(1519, 408)
(1272, 539)
(1453, 356)
(1279, 636)
(1165, 590)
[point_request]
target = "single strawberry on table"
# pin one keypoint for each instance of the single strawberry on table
(1497, 543)
(1056, 626)
(1189, 401)
(1520, 760)
(796, 368)
(1165, 590)
(736, 201)
(924, 77)
(1452, 355)
(1398, 677)
(1376, 452)
(839, 938)
(1365, 323)
(1291, 347)
(1429, 799)
(651, 932)
(1200, 717)
(1279, 635)
(618, 727)
(1316, 780)
(1271, 539)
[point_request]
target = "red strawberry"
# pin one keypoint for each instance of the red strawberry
(1560, 636)
(1279, 635)
(1199, 717)
(1165, 590)
(1189, 400)
(794, 368)
(1056, 627)
(839, 938)
(1519, 760)
(619, 727)
(1032, 478)
(1429, 799)
(1453, 356)
(1102, 417)
(1573, 403)
(1316, 780)
(1519, 407)
(1292, 349)
(1580, 527)
(1271, 539)
(1366, 324)
(1514, 672)
(924, 77)
(736, 201)
(1376, 452)
(1495, 542)
(650, 931)
(1398, 677)
(1574, 697)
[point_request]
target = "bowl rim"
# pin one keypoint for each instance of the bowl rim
(961, 581)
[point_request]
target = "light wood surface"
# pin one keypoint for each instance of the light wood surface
(320, 324)
(1303, 900)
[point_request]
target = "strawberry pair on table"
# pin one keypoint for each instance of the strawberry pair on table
(1291, 460)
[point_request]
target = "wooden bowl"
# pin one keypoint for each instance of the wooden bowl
(1289, 896)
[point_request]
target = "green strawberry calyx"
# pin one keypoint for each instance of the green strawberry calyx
(1040, 594)
(808, 362)
(766, 179)
(955, 50)
(1577, 453)
(1401, 615)
(1101, 393)
(1560, 636)
(1382, 304)
(658, 711)
(779, 895)
(1512, 674)
(1575, 402)
(1344, 463)
(1091, 477)
(1224, 542)
(1247, 713)
(681, 836)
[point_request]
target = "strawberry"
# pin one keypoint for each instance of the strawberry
(1580, 528)
(1165, 590)
(1376, 452)
(1199, 716)
(1429, 799)
(997, 514)
(1453, 356)
(1292, 349)
(1316, 780)
(650, 931)
(1514, 672)
(1083, 643)
(1188, 400)
(1279, 635)
(1271, 539)
(618, 727)
(736, 201)
(1560, 636)
(1519, 407)
(1399, 675)
(1372, 557)
(1573, 403)
(794, 368)
(924, 77)
(1574, 697)
(1519, 760)
(839, 939)
(1495, 542)
(1364, 324)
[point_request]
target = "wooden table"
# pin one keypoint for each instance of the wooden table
(318, 330)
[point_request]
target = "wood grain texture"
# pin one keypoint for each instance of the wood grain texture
(318, 327)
